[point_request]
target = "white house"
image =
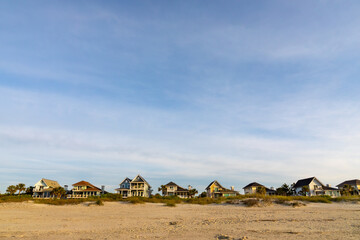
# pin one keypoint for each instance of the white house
(315, 188)
(44, 187)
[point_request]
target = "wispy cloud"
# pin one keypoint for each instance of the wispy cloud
(265, 92)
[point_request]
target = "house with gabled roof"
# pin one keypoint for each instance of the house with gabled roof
(172, 189)
(44, 188)
(124, 189)
(84, 189)
(215, 190)
(251, 188)
(315, 188)
(139, 187)
(355, 183)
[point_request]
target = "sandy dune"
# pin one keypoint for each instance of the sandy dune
(117, 220)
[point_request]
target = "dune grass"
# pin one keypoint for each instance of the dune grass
(58, 202)
(169, 201)
(14, 198)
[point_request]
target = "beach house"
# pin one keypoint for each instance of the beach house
(355, 184)
(44, 188)
(137, 187)
(85, 189)
(215, 190)
(313, 187)
(124, 188)
(253, 187)
(172, 189)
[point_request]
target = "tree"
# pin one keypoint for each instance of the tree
(284, 190)
(203, 194)
(347, 190)
(162, 189)
(305, 190)
(29, 190)
(58, 192)
(261, 190)
(192, 192)
(11, 189)
(20, 187)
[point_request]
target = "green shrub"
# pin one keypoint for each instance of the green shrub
(99, 202)
(252, 202)
(170, 204)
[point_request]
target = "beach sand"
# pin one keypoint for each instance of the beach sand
(119, 220)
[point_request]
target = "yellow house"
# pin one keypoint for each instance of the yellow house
(215, 190)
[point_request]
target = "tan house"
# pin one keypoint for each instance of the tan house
(44, 187)
(138, 187)
(172, 189)
(353, 183)
(315, 188)
(215, 190)
(84, 189)
(252, 189)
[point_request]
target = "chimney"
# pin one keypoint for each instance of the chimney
(232, 188)
(66, 187)
(272, 188)
(189, 187)
(102, 189)
(328, 185)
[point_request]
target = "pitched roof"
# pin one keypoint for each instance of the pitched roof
(126, 179)
(305, 182)
(350, 182)
(84, 183)
(214, 182)
(253, 184)
(329, 188)
(171, 184)
(139, 178)
(51, 183)
(179, 189)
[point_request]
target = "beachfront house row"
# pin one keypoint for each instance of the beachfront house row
(253, 187)
(215, 190)
(138, 187)
(84, 189)
(172, 189)
(314, 188)
(352, 183)
(44, 188)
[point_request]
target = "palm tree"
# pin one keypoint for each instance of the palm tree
(162, 189)
(347, 190)
(11, 189)
(20, 187)
(192, 192)
(58, 192)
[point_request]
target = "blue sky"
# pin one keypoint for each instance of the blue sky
(184, 91)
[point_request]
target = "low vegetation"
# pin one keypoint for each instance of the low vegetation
(248, 200)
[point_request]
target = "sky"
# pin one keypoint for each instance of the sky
(183, 91)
